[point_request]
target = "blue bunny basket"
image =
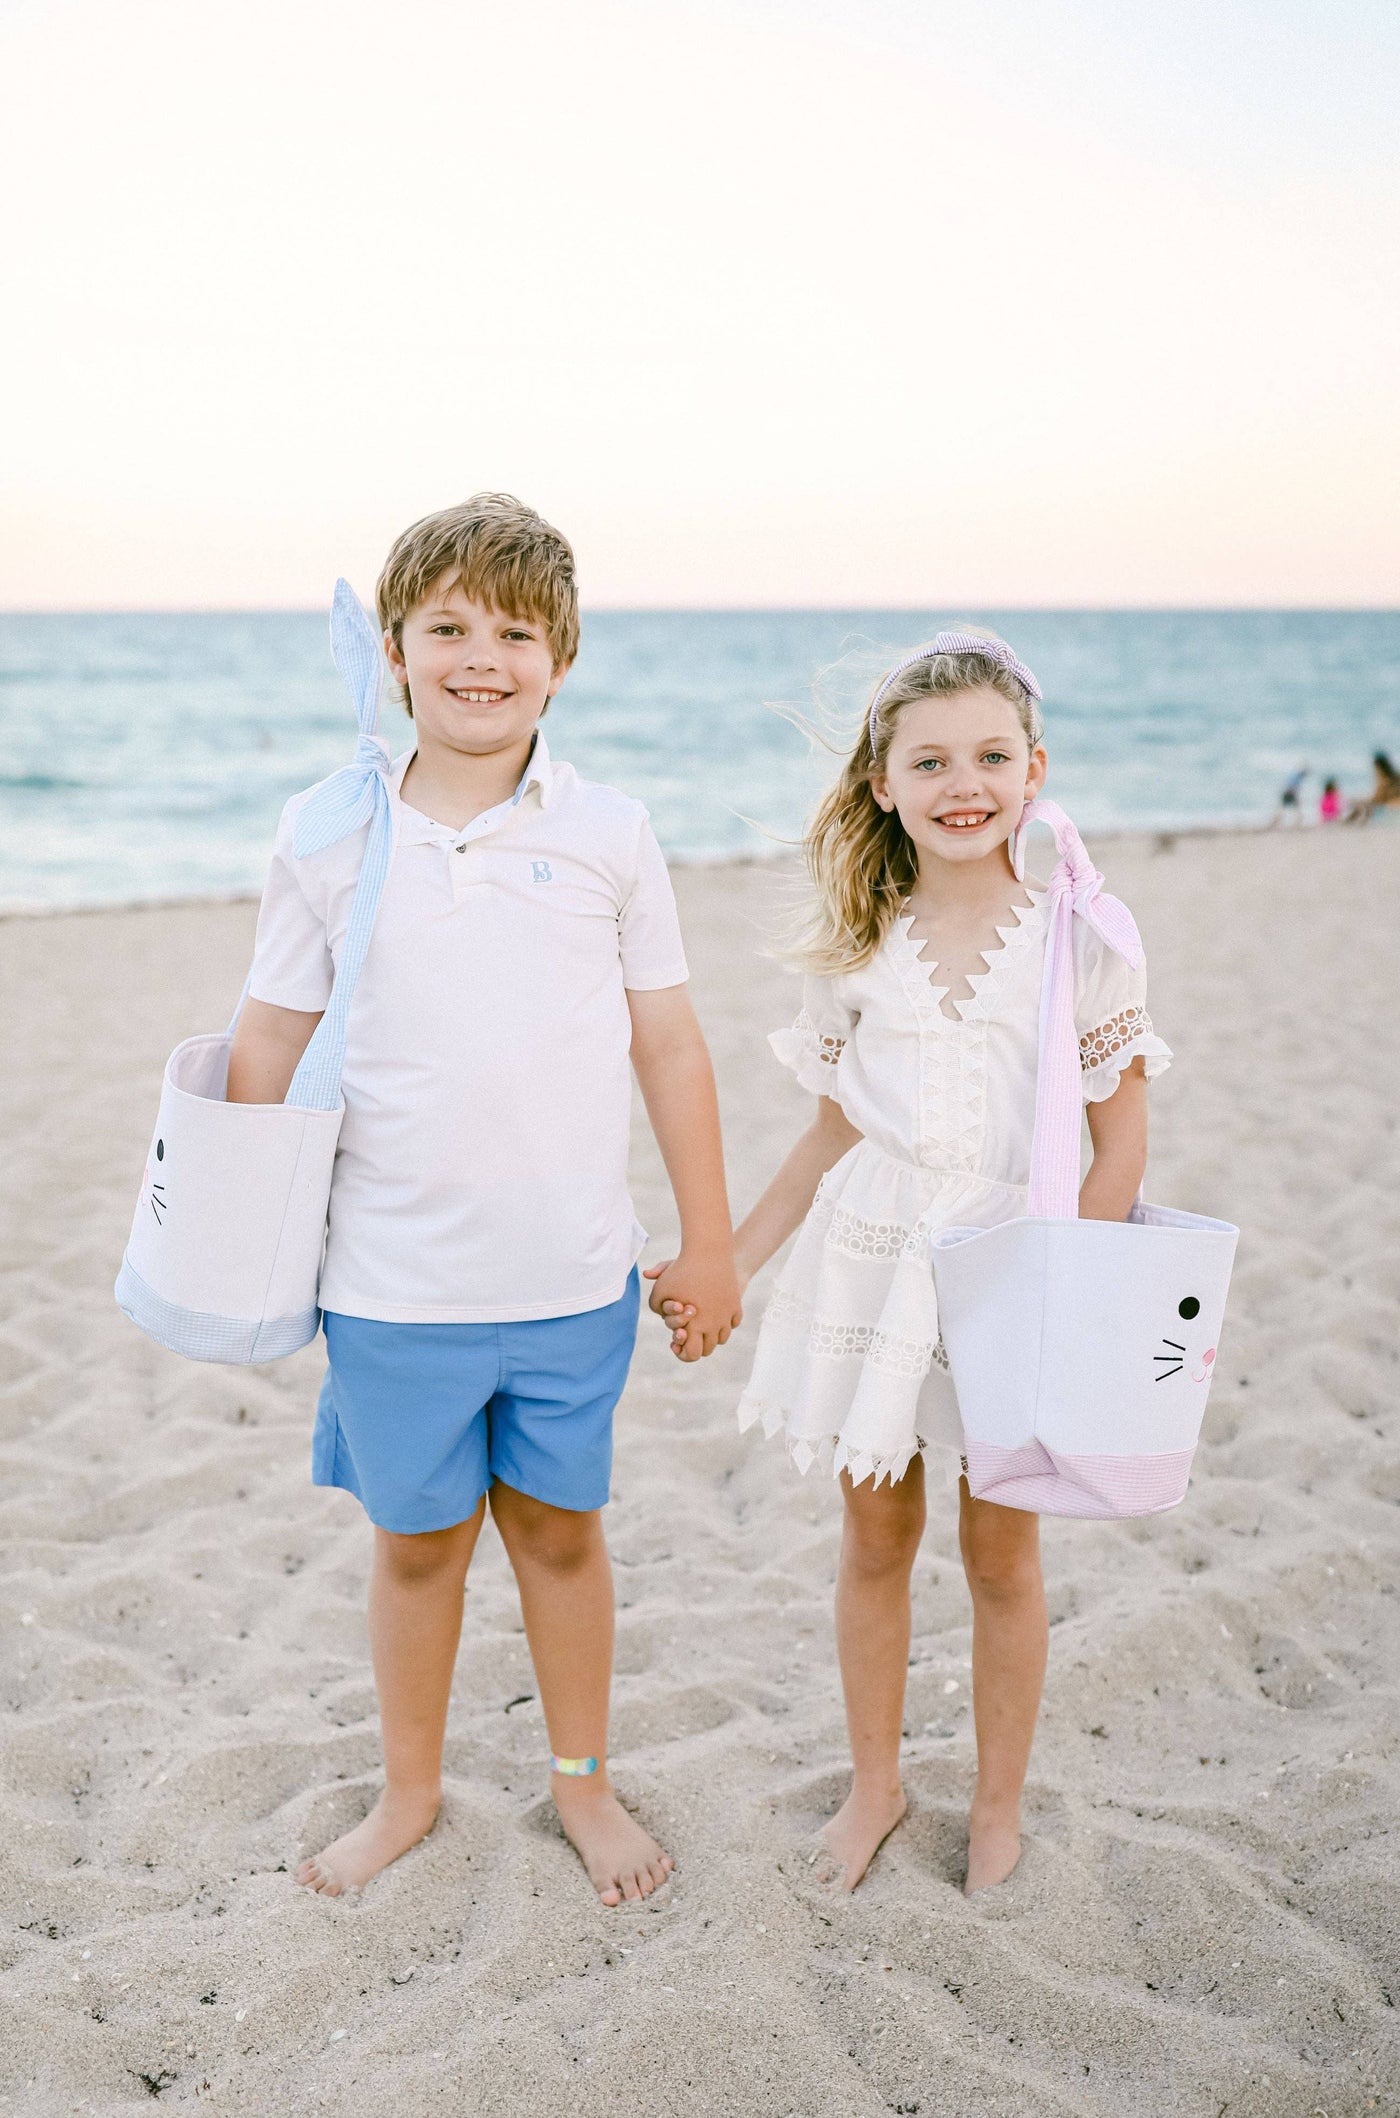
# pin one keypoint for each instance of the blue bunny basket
(224, 1257)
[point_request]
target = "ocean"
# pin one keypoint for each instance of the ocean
(146, 756)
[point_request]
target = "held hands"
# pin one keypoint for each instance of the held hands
(698, 1296)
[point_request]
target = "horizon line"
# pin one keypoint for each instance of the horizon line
(724, 610)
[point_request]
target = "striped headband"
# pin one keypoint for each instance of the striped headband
(956, 643)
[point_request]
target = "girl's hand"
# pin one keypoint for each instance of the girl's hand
(697, 1296)
(674, 1313)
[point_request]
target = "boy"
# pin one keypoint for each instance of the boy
(480, 1287)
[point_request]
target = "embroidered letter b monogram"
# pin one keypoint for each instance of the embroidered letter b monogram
(540, 871)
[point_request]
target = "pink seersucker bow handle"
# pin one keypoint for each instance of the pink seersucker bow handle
(1075, 891)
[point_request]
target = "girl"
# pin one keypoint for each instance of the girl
(918, 1036)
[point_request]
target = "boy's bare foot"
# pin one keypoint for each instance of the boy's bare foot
(396, 1822)
(856, 1833)
(622, 1860)
(993, 1847)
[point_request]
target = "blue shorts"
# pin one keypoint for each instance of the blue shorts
(419, 1420)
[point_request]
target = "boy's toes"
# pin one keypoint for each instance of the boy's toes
(646, 1877)
(312, 1876)
(623, 1861)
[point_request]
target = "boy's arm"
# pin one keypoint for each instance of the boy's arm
(678, 1087)
(267, 1048)
(1118, 1130)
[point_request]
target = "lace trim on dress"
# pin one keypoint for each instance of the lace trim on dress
(1105, 1052)
(830, 1451)
(827, 1339)
(785, 1307)
(827, 1049)
(976, 1003)
(952, 1059)
(857, 1238)
(812, 1054)
(1100, 1045)
(953, 1048)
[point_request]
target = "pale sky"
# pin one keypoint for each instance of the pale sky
(955, 304)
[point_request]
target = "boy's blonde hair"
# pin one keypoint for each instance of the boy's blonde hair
(859, 856)
(499, 552)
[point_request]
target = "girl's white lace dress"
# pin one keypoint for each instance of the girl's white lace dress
(848, 1362)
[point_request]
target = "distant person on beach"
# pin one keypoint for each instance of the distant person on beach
(1290, 807)
(918, 1037)
(1385, 791)
(480, 1290)
(1330, 807)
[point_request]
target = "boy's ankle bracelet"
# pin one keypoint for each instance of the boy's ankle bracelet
(573, 1768)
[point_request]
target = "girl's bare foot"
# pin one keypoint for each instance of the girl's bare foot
(856, 1833)
(993, 1846)
(396, 1822)
(622, 1860)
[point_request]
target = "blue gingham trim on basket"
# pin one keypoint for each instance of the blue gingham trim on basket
(200, 1337)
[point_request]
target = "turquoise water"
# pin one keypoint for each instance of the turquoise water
(147, 756)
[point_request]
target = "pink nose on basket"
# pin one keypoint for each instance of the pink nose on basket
(1206, 1359)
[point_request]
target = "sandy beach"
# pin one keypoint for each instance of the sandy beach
(1206, 1919)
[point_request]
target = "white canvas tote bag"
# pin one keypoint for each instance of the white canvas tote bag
(224, 1258)
(1082, 1352)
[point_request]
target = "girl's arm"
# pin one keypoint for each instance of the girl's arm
(787, 1201)
(267, 1048)
(783, 1207)
(1118, 1130)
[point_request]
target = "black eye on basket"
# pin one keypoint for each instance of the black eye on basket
(160, 1150)
(1189, 1308)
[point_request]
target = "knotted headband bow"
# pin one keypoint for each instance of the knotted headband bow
(957, 643)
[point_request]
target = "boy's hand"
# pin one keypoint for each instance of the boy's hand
(697, 1295)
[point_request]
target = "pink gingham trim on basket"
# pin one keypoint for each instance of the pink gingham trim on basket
(1047, 1481)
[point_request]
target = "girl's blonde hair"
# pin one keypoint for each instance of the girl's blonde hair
(860, 858)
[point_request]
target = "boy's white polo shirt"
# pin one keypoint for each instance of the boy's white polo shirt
(481, 1171)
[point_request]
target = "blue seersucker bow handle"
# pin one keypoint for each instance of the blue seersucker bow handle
(358, 794)
(351, 796)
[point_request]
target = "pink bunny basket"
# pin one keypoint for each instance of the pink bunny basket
(1082, 1352)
